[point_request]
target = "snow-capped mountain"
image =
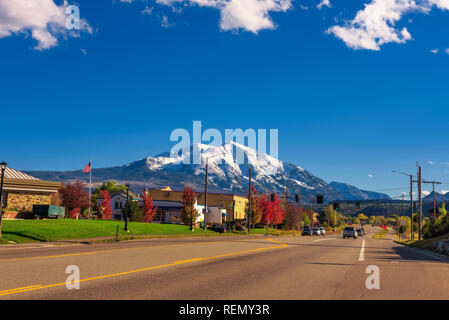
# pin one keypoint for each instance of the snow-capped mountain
(439, 197)
(353, 193)
(226, 174)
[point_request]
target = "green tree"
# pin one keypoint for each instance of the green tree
(306, 220)
(111, 186)
(135, 213)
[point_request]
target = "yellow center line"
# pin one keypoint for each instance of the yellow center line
(115, 250)
(19, 288)
(106, 251)
(176, 263)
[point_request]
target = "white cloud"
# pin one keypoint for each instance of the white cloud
(84, 51)
(249, 15)
(425, 193)
(444, 191)
(147, 11)
(441, 4)
(165, 23)
(375, 25)
(446, 51)
(430, 162)
(324, 3)
(43, 19)
(370, 176)
(434, 51)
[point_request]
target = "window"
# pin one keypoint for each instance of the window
(116, 205)
(159, 216)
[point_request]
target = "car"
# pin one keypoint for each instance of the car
(349, 232)
(363, 230)
(306, 231)
(359, 232)
(316, 231)
(323, 232)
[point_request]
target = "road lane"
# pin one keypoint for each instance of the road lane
(304, 268)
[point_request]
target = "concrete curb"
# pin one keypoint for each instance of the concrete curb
(429, 253)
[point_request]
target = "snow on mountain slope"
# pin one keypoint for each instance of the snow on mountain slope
(225, 173)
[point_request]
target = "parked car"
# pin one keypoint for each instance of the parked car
(349, 232)
(316, 231)
(359, 232)
(323, 232)
(306, 231)
(363, 230)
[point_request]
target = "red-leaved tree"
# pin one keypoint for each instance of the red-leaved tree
(74, 213)
(105, 205)
(73, 196)
(278, 212)
(148, 208)
(272, 213)
(189, 213)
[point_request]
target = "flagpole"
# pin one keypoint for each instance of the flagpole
(90, 185)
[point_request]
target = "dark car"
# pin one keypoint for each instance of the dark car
(307, 231)
(360, 232)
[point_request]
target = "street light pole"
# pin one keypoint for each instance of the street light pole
(127, 208)
(3, 167)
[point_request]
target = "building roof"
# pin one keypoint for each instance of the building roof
(122, 193)
(19, 181)
(10, 173)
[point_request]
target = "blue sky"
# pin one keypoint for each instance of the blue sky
(345, 108)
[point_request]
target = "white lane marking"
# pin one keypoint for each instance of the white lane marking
(322, 239)
(362, 251)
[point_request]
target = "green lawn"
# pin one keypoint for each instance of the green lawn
(21, 231)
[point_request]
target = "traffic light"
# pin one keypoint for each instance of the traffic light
(357, 205)
(272, 197)
(297, 198)
(320, 199)
(336, 206)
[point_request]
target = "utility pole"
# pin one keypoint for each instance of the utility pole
(300, 209)
(249, 203)
(412, 232)
(205, 195)
(434, 199)
(419, 201)
(286, 202)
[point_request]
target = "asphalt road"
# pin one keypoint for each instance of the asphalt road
(258, 267)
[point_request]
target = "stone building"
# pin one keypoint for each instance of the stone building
(21, 191)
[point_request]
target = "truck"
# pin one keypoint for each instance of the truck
(48, 211)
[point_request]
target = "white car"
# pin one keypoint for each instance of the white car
(323, 232)
(316, 231)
